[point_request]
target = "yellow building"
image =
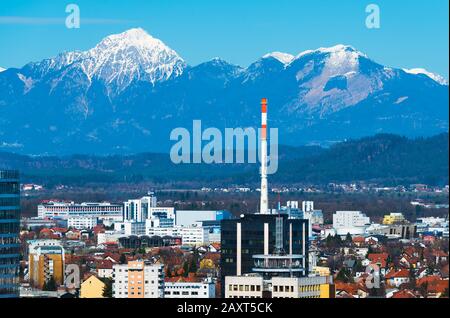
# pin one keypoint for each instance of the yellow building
(327, 291)
(393, 218)
(92, 288)
(45, 261)
(321, 270)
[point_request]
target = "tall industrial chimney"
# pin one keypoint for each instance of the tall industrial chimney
(264, 204)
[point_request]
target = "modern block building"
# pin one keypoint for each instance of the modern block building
(267, 244)
(188, 218)
(9, 233)
(45, 261)
(353, 222)
(104, 211)
(393, 218)
(138, 279)
(190, 235)
(82, 222)
(254, 286)
(206, 289)
(139, 209)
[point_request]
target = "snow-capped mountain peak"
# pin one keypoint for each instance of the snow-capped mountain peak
(117, 61)
(337, 50)
(435, 77)
(132, 55)
(284, 58)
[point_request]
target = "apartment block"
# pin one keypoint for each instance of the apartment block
(138, 279)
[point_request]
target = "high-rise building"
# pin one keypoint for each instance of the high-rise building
(249, 245)
(45, 262)
(9, 234)
(139, 209)
(138, 279)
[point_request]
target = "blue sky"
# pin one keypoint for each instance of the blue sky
(413, 33)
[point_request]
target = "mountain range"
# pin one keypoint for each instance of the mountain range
(383, 159)
(127, 93)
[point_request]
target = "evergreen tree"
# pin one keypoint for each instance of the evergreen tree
(185, 268)
(348, 238)
(107, 289)
(123, 259)
(344, 276)
(50, 285)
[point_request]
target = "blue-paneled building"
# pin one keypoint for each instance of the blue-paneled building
(9, 233)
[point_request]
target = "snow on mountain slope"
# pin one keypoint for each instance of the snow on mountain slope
(117, 61)
(284, 58)
(334, 78)
(435, 77)
(101, 100)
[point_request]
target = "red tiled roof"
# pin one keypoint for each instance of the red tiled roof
(427, 279)
(350, 288)
(105, 264)
(400, 274)
(379, 258)
(404, 294)
(358, 239)
(59, 229)
(438, 287)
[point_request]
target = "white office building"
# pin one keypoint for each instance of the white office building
(206, 289)
(104, 211)
(134, 228)
(254, 286)
(188, 217)
(82, 222)
(138, 279)
(314, 217)
(191, 235)
(353, 222)
(161, 213)
(138, 210)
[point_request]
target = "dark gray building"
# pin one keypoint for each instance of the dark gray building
(268, 244)
(9, 233)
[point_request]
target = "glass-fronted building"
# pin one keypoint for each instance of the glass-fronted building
(9, 233)
(249, 245)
